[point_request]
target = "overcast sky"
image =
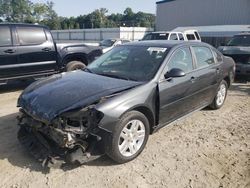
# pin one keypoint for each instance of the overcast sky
(77, 7)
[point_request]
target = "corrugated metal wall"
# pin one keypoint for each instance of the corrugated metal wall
(180, 13)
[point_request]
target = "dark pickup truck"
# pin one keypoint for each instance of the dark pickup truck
(29, 51)
(239, 49)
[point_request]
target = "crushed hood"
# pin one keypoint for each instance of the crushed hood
(46, 99)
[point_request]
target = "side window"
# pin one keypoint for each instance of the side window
(173, 36)
(5, 36)
(197, 35)
(190, 37)
(31, 35)
(181, 36)
(181, 59)
(217, 56)
(204, 56)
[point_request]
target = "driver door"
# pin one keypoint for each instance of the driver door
(176, 95)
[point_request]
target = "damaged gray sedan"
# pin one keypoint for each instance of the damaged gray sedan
(113, 105)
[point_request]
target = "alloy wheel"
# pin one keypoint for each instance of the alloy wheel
(221, 95)
(131, 138)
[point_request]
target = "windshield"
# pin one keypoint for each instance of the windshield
(240, 40)
(138, 63)
(107, 43)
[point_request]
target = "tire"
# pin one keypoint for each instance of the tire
(114, 143)
(75, 65)
(218, 103)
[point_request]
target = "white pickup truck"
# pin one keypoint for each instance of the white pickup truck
(188, 35)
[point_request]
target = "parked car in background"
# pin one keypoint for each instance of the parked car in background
(120, 99)
(29, 50)
(109, 44)
(188, 35)
(239, 49)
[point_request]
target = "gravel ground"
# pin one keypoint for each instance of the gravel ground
(207, 149)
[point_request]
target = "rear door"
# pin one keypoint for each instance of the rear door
(36, 52)
(8, 53)
(206, 75)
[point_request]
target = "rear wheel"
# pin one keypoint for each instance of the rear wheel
(75, 65)
(220, 96)
(129, 138)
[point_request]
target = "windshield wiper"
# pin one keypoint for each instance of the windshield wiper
(87, 69)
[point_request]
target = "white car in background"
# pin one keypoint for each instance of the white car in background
(109, 44)
(188, 35)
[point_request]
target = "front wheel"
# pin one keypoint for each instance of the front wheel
(220, 96)
(129, 138)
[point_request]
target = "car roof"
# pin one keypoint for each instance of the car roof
(22, 24)
(164, 43)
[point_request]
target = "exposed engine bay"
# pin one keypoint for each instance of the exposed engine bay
(74, 137)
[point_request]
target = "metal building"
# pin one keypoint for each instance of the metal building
(180, 13)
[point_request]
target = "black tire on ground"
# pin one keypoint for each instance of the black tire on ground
(214, 105)
(112, 142)
(75, 65)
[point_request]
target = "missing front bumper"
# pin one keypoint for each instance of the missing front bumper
(49, 154)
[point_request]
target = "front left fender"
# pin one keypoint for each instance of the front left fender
(143, 96)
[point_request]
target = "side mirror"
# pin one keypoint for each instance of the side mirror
(174, 73)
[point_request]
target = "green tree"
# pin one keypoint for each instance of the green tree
(39, 11)
(44, 13)
(15, 10)
(51, 18)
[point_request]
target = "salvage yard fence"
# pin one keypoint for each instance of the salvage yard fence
(209, 34)
(130, 33)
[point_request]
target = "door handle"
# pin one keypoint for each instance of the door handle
(46, 49)
(218, 70)
(193, 79)
(10, 51)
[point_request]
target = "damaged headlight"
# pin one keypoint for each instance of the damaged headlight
(82, 121)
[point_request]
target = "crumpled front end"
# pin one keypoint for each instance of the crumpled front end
(74, 137)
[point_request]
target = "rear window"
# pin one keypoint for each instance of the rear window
(190, 37)
(5, 36)
(156, 36)
(218, 56)
(147, 37)
(160, 36)
(31, 35)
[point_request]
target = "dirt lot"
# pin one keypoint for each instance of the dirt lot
(208, 149)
